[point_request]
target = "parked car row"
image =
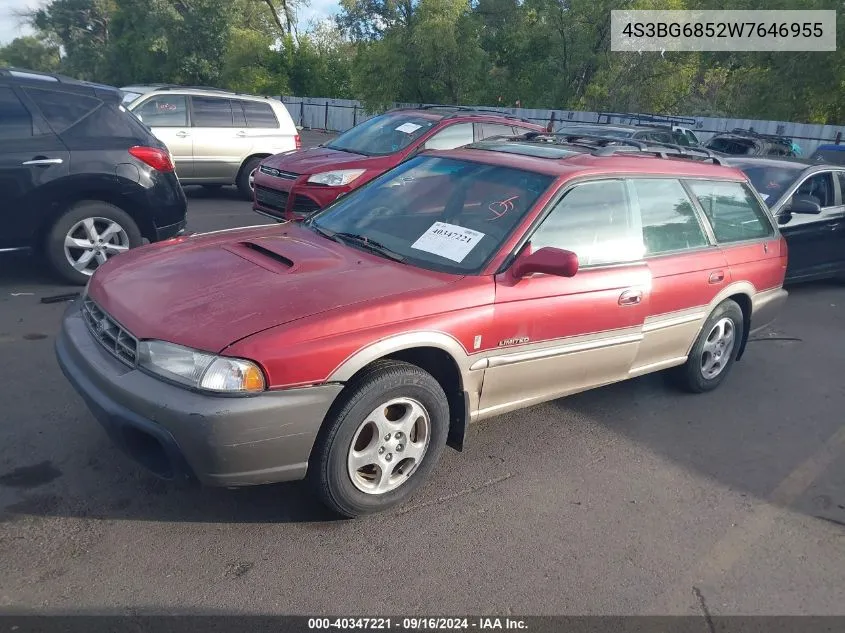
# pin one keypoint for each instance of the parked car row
(449, 266)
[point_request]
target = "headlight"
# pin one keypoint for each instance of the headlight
(336, 178)
(200, 370)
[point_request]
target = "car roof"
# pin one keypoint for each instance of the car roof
(578, 160)
(201, 91)
(783, 162)
(26, 77)
(621, 127)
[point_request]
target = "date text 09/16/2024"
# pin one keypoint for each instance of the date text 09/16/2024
(417, 624)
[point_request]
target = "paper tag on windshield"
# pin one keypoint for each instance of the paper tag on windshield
(408, 128)
(448, 240)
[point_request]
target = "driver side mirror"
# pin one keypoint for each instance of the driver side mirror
(548, 260)
(805, 205)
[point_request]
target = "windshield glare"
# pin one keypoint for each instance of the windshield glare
(383, 134)
(771, 182)
(438, 213)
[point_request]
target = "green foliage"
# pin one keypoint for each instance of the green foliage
(540, 53)
(30, 52)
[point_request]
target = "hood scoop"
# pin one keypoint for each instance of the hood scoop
(261, 256)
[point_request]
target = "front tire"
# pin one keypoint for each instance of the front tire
(715, 350)
(381, 441)
(86, 236)
(245, 177)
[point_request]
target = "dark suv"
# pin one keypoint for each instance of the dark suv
(648, 133)
(81, 178)
(740, 142)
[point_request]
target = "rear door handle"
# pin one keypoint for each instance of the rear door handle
(182, 134)
(717, 277)
(241, 134)
(630, 298)
(43, 161)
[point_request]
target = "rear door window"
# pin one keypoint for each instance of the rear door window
(732, 210)
(668, 217)
(259, 114)
(164, 111)
(15, 119)
(212, 112)
(62, 109)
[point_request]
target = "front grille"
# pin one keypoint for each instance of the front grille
(304, 206)
(271, 198)
(109, 333)
(278, 173)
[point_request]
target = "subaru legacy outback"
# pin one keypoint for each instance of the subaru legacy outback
(351, 348)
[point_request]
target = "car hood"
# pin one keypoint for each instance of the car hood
(318, 159)
(211, 290)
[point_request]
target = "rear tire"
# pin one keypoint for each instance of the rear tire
(714, 352)
(244, 177)
(88, 234)
(381, 441)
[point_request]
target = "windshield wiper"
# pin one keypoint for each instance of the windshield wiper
(371, 245)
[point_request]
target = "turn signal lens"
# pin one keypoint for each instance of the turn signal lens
(232, 375)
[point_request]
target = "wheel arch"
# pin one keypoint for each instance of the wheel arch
(437, 353)
(740, 292)
(247, 159)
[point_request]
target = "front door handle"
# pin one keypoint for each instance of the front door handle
(716, 277)
(41, 162)
(630, 298)
(241, 134)
(182, 134)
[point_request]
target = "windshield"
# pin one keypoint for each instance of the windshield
(771, 182)
(832, 156)
(383, 134)
(437, 213)
(737, 147)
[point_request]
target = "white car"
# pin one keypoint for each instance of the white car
(216, 137)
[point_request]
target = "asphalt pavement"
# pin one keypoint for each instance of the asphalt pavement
(630, 499)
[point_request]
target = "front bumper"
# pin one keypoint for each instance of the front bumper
(284, 199)
(177, 433)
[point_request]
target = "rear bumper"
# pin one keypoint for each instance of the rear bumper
(171, 230)
(765, 307)
(177, 433)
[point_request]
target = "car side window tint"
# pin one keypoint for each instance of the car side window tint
(164, 111)
(495, 129)
(667, 215)
(62, 109)
(212, 112)
(841, 176)
(595, 221)
(259, 114)
(820, 187)
(238, 114)
(15, 119)
(732, 210)
(451, 137)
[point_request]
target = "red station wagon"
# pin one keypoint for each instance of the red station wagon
(352, 347)
(294, 185)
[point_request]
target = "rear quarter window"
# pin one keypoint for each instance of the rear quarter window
(62, 110)
(732, 210)
(259, 114)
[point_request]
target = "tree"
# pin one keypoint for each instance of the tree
(31, 53)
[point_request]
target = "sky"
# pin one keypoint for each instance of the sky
(11, 26)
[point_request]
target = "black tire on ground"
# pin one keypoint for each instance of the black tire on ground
(691, 375)
(383, 381)
(54, 245)
(243, 176)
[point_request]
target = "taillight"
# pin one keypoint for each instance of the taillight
(156, 158)
(298, 141)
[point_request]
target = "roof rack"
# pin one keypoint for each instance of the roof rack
(610, 145)
(738, 131)
(458, 110)
(643, 119)
(209, 88)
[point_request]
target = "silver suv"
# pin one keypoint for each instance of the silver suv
(216, 137)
